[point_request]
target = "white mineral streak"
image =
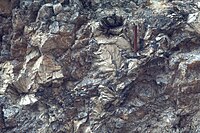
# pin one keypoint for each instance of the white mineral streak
(77, 124)
(106, 95)
(37, 64)
(43, 12)
(192, 17)
(132, 64)
(28, 99)
(148, 33)
(194, 21)
(198, 4)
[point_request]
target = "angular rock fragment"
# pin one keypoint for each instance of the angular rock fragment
(57, 8)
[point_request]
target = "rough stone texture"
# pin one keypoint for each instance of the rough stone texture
(68, 66)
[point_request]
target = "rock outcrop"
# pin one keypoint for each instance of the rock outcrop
(70, 66)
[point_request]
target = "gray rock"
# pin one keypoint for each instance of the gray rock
(54, 27)
(57, 8)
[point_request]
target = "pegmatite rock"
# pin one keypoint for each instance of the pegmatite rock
(69, 66)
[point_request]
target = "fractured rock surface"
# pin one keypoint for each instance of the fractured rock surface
(69, 66)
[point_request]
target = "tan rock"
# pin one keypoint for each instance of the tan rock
(6, 76)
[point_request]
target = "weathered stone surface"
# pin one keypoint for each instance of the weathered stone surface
(5, 7)
(70, 66)
(57, 8)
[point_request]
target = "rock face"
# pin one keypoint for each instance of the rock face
(69, 66)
